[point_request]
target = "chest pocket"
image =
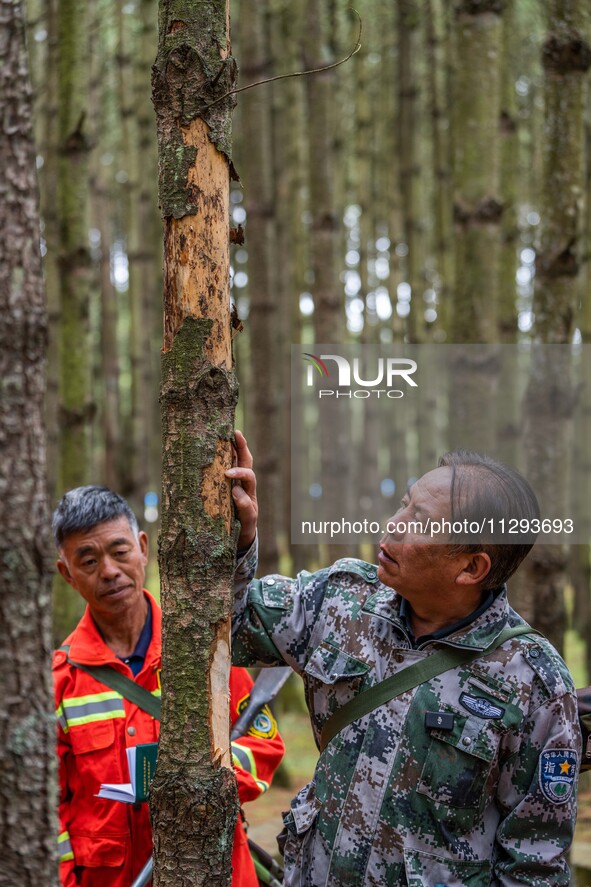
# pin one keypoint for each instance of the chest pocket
(457, 769)
(331, 678)
(330, 665)
(96, 758)
(92, 737)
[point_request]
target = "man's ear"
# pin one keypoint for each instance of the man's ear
(143, 543)
(476, 569)
(62, 569)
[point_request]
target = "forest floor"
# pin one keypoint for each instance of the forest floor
(264, 815)
(581, 854)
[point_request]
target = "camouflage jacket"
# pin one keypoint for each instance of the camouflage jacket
(491, 800)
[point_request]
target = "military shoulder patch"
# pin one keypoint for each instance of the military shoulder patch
(558, 768)
(481, 707)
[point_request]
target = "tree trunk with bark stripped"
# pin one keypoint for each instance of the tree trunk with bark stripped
(194, 799)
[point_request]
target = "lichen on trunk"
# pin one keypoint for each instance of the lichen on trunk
(194, 795)
(193, 798)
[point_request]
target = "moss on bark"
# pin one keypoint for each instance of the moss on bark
(193, 70)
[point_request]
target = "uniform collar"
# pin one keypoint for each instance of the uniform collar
(88, 647)
(455, 628)
(476, 631)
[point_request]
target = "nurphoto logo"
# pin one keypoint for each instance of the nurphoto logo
(389, 370)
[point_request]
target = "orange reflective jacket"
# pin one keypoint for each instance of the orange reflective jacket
(104, 842)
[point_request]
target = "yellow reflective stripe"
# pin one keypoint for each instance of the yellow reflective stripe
(96, 707)
(61, 718)
(66, 716)
(98, 716)
(64, 847)
(243, 757)
(93, 697)
(156, 692)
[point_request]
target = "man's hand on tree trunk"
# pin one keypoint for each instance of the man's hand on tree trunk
(244, 492)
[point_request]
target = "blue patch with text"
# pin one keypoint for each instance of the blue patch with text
(558, 769)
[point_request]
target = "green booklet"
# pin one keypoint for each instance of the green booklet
(141, 760)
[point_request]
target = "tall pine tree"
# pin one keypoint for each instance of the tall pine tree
(194, 802)
(28, 822)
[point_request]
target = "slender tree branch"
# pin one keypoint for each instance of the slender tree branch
(295, 73)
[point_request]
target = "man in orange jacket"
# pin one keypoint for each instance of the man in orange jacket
(103, 556)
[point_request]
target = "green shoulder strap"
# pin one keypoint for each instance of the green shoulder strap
(117, 681)
(404, 680)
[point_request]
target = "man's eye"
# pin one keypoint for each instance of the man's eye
(89, 562)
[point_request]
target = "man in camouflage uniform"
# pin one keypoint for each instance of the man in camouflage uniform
(481, 792)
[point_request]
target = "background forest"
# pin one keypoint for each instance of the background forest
(407, 173)
(433, 188)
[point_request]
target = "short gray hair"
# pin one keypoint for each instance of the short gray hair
(485, 491)
(85, 507)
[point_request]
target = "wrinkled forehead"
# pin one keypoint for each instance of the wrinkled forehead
(433, 491)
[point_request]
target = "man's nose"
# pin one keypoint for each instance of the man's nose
(396, 527)
(109, 568)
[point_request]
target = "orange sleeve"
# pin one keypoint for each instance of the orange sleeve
(257, 754)
(65, 854)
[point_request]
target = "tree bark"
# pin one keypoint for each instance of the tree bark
(329, 313)
(580, 555)
(438, 112)
(110, 401)
(136, 39)
(102, 201)
(409, 156)
(76, 404)
(67, 606)
(146, 245)
(194, 800)
(477, 216)
(290, 173)
(477, 205)
(509, 178)
(45, 118)
(28, 822)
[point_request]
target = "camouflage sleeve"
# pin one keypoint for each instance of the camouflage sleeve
(274, 618)
(537, 791)
(246, 567)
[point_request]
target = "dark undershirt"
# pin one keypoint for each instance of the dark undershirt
(136, 660)
(405, 612)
